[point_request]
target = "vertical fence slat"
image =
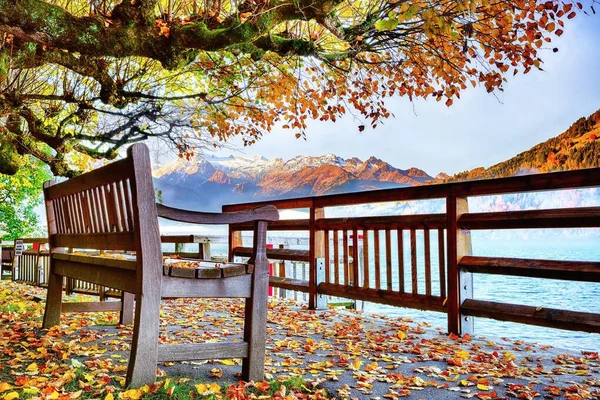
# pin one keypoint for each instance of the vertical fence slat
(401, 288)
(327, 256)
(345, 254)
(388, 258)
(427, 245)
(355, 273)
(377, 259)
(413, 261)
(442, 262)
(366, 272)
(336, 257)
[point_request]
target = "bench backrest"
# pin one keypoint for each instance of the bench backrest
(110, 208)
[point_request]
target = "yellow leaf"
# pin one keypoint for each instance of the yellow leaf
(463, 354)
(356, 365)
(483, 387)
(32, 367)
(10, 396)
(133, 394)
(401, 335)
(201, 388)
(214, 387)
(227, 362)
(4, 386)
(109, 397)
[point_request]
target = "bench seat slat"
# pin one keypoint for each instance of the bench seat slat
(118, 278)
(202, 351)
(236, 286)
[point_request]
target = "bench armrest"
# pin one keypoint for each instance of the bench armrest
(265, 213)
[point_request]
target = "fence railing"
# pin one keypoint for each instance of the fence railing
(379, 275)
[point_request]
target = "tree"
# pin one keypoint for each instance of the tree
(83, 78)
(19, 195)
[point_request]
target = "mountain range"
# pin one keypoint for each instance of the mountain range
(207, 183)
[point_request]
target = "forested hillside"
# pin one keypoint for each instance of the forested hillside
(578, 147)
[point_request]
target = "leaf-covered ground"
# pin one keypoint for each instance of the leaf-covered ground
(333, 353)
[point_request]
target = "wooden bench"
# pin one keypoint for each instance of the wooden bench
(113, 208)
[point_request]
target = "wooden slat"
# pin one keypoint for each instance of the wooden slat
(281, 225)
(275, 254)
(377, 260)
(299, 285)
(388, 258)
(585, 271)
(427, 245)
(366, 271)
(98, 306)
(549, 317)
(121, 206)
(105, 241)
(336, 257)
(237, 286)
(413, 261)
(420, 221)
(184, 239)
(582, 217)
(104, 209)
(118, 278)
(101, 176)
(327, 257)
(202, 351)
(345, 255)
(442, 262)
(355, 261)
(128, 203)
(418, 301)
(111, 208)
(401, 287)
(100, 261)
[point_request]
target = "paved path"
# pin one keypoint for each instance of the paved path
(352, 355)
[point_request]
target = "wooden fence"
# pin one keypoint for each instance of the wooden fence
(335, 268)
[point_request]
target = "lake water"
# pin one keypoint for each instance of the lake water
(576, 296)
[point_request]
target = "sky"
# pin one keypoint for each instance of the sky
(480, 129)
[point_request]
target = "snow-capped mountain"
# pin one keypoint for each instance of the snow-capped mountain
(208, 183)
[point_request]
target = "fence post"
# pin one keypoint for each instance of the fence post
(317, 250)
(321, 298)
(235, 240)
(281, 272)
(460, 283)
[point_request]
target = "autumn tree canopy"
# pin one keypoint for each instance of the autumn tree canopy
(83, 78)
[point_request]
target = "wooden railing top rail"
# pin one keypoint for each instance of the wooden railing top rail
(33, 240)
(526, 183)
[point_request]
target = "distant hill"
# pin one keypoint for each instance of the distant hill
(209, 182)
(577, 148)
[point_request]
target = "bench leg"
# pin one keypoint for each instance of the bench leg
(53, 299)
(255, 326)
(126, 315)
(144, 348)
